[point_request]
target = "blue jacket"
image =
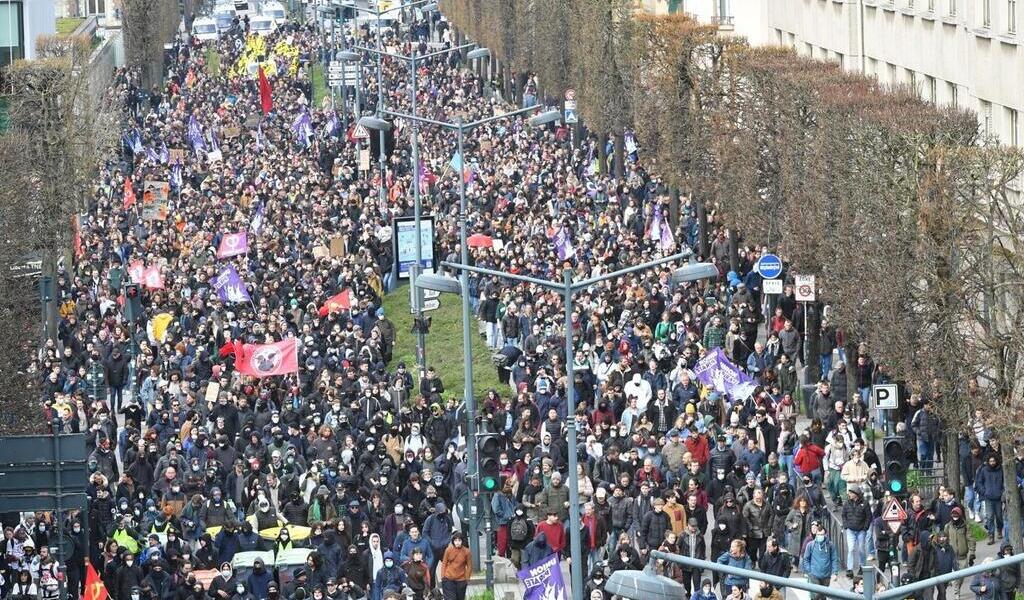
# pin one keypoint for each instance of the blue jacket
(258, 583)
(820, 559)
(988, 482)
(991, 584)
(437, 530)
(409, 545)
(504, 508)
(742, 563)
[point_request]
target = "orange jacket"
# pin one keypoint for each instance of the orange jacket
(457, 564)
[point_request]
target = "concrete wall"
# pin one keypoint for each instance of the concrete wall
(105, 58)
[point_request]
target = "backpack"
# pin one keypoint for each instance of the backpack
(518, 530)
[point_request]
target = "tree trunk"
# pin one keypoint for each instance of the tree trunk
(521, 79)
(49, 269)
(620, 155)
(734, 251)
(673, 207)
(813, 335)
(1013, 504)
(852, 351)
(702, 227)
(602, 152)
(951, 460)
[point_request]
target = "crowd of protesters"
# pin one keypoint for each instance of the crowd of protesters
(360, 459)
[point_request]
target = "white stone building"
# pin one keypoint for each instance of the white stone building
(966, 53)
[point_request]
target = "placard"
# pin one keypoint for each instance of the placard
(176, 156)
(364, 159)
(338, 246)
(772, 286)
(321, 252)
(155, 200)
(214, 157)
(212, 391)
(231, 132)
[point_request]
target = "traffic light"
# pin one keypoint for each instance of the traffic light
(487, 451)
(132, 302)
(897, 462)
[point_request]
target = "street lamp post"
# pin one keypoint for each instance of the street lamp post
(461, 128)
(421, 342)
(568, 288)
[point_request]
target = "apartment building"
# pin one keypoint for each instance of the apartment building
(964, 53)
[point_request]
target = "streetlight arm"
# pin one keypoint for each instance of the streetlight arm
(541, 282)
(694, 563)
(641, 267)
(905, 590)
(402, 115)
(410, 58)
(379, 13)
(474, 124)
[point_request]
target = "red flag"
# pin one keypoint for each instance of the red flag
(340, 301)
(265, 360)
(94, 588)
(129, 193)
(265, 100)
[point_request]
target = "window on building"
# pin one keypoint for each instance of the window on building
(931, 5)
(954, 98)
(912, 82)
(932, 92)
(1013, 121)
(986, 115)
(96, 7)
(1011, 16)
(986, 13)
(952, 8)
(910, 3)
(892, 74)
(778, 37)
(12, 32)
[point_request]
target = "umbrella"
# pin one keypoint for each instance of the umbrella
(479, 240)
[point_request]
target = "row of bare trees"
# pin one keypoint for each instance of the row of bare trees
(905, 212)
(59, 131)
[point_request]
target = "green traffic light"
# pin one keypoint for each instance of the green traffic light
(896, 486)
(490, 483)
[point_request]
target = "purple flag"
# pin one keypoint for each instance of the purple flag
(660, 230)
(303, 129)
(176, 178)
(256, 223)
(229, 286)
(164, 154)
(563, 245)
(544, 581)
(717, 371)
(195, 135)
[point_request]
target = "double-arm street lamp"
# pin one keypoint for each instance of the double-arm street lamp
(421, 353)
(461, 128)
(691, 271)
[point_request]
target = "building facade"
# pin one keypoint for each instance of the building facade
(963, 53)
(21, 22)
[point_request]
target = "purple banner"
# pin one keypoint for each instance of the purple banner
(717, 371)
(563, 245)
(543, 580)
(230, 287)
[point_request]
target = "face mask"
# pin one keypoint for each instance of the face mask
(721, 526)
(399, 509)
(240, 589)
(225, 574)
(519, 513)
(707, 589)
(135, 597)
(383, 480)
(389, 563)
(819, 538)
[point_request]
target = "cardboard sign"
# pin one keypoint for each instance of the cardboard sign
(212, 391)
(231, 132)
(214, 157)
(176, 156)
(321, 252)
(338, 246)
(155, 196)
(364, 159)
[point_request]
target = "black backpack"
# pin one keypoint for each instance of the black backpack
(518, 530)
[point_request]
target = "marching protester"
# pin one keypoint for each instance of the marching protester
(250, 400)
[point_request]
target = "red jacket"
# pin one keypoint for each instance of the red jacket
(808, 459)
(555, 534)
(698, 447)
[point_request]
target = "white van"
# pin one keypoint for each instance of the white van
(262, 25)
(275, 10)
(205, 29)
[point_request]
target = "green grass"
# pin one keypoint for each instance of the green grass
(68, 25)
(977, 531)
(444, 345)
(212, 62)
(319, 82)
